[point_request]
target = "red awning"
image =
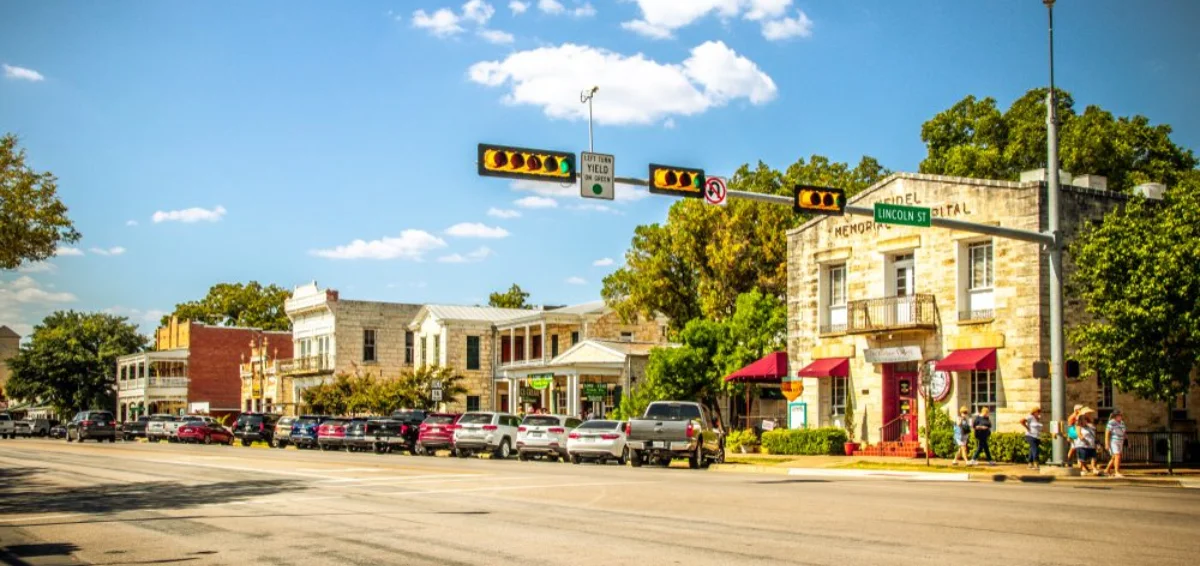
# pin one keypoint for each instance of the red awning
(771, 368)
(969, 360)
(826, 367)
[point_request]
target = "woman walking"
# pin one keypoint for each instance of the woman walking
(1114, 439)
(962, 433)
(983, 431)
(1033, 433)
(1086, 449)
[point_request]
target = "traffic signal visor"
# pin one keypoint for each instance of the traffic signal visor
(522, 163)
(820, 200)
(678, 181)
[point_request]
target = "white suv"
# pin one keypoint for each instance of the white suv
(545, 436)
(485, 432)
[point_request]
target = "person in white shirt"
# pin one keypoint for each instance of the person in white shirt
(1033, 433)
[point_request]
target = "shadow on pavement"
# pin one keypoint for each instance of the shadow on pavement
(14, 555)
(12, 478)
(116, 498)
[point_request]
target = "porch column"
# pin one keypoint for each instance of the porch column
(512, 345)
(544, 345)
(573, 394)
(513, 390)
(528, 351)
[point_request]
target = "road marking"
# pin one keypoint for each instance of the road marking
(42, 518)
(508, 488)
(912, 476)
(388, 478)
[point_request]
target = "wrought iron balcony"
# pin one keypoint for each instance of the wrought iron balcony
(912, 312)
(319, 363)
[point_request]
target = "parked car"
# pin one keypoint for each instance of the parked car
(208, 432)
(485, 432)
(255, 427)
(59, 431)
(8, 427)
(673, 429)
(331, 435)
(92, 425)
(135, 428)
(436, 433)
(33, 427)
(599, 441)
(304, 430)
(282, 435)
(172, 427)
(156, 427)
(410, 429)
(544, 436)
(376, 435)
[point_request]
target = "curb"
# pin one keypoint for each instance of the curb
(1126, 481)
(835, 473)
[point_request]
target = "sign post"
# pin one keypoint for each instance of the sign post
(902, 215)
(596, 173)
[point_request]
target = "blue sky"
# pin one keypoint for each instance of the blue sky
(201, 142)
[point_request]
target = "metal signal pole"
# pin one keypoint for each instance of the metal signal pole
(1058, 385)
(586, 97)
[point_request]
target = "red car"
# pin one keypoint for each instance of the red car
(437, 433)
(208, 433)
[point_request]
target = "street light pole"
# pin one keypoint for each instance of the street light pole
(586, 97)
(1058, 386)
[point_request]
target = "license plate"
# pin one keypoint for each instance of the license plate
(535, 435)
(435, 429)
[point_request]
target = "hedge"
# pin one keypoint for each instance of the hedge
(806, 442)
(1009, 447)
(738, 438)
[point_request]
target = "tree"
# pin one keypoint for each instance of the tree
(758, 327)
(703, 257)
(419, 384)
(34, 219)
(1138, 273)
(973, 138)
(514, 298)
(366, 394)
(237, 304)
(70, 360)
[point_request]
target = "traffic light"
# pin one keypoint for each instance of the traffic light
(524, 163)
(676, 181)
(819, 200)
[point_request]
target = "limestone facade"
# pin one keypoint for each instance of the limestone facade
(10, 344)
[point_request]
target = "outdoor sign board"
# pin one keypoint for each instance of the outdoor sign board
(541, 380)
(902, 215)
(596, 171)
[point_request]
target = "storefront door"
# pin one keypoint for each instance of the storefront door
(900, 402)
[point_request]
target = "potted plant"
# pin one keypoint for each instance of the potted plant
(851, 445)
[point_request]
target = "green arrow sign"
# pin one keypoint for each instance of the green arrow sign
(902, 215)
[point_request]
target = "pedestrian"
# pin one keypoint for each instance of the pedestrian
(962, 434)
(1033, 433)
(1070, 433)
(983, 431)
(1114, 439)
(1086, 447)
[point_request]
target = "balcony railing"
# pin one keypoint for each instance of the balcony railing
(910, 312)
(152, 382)
(514, 364)
(308, 364)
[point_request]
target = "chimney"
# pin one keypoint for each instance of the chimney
(1152, 191)
(1040, 175)
(1098, 182)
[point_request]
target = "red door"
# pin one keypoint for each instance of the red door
(900, 402)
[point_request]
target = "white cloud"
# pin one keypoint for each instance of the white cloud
(787, 28)
(576, 281)
(26, 290)
(472, 257)
(635, 89)
(757, 10)
(131, 222)
(536, 202)
(669, 123)
(518, 7)
(67, 250)
(595, 207)
(38, 267)
(551, 6)
(478, 11)
(496, 36)
(189, 215)
(115, 250)
(22, 74)
(441, 23)
(623, 192)
(411, 245)
(603, 262)
(503, 213)
(476, 230)
(584, 11)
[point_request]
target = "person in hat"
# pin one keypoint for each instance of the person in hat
(1069, 432)
(1114, 439)
(1085, 446)
(962, 433)
(1033, 433)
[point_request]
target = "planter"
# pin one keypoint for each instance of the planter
(851, 448)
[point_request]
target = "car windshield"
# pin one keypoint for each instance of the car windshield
(306, 422)
(541, 420)
(286, 421)
(250, 419)
(5, 418)
(408, 415)
(477, 418)
(600, 425)
(672, 412)
(440, 419)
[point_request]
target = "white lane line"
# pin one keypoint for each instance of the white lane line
(385, 478)
(41, 518)
(339, 469)
(507, 488)
(399, 481)
(274, 500)
(912, 476)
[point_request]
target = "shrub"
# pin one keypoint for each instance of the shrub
(1009, 447)
(806, 442)
(738, 438)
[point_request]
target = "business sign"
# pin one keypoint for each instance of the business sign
(792, 387)
(893, 355)
(541, 380)
(595, 391)
(902, 215)
(939, 382)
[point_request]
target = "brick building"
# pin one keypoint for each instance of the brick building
(192, 369)
(868, 303)
(10, 343)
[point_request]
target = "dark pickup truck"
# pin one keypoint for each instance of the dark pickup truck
(673, 429)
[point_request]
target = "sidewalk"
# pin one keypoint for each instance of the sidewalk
(941, 470)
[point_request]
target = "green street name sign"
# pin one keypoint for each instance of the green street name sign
(902, 215)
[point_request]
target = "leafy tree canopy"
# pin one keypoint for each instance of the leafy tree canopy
(974, 138)
(237, 304)
(513, 298)
(34, 220)
(70, 360)
(366, 394)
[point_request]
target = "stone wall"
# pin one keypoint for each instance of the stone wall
(9, 346)
(390, 322)
(478, 382)
(609, 326)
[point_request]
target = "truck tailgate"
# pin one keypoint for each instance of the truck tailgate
(658, 430)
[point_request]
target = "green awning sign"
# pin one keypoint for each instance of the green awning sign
(541, 380)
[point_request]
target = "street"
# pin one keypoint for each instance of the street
(131, 503)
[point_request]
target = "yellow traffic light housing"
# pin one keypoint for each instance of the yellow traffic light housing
(676, 181)
(819, 200)
(525, 163)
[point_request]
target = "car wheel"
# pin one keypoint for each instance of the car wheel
(112, 439)
(624, 456)
(69, 439)
(575, 459)
(696, 457)
(208, 439)
(505, 450)
(245, 442)
(635, 458)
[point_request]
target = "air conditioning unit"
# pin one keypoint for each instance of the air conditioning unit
(1151, 190)
(1098, 182)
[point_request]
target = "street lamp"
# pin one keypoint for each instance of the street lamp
(1058, 386)
(586, 97)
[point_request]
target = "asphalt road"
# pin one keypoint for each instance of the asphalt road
(162, 504)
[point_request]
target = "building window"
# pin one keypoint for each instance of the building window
(472, 352)
(980, 280)
(1179, 411)
(554, 346)
(835, 299)
(1104, 397)
(574, 338)
(472, 402)
(408, 347)
(837, 400)
(368, 345)
(437, 349)
(627, 337)
(983, 393)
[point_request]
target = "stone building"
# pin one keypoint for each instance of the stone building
(331, 336)
(869, 303)
(264, 389)
(10, 343)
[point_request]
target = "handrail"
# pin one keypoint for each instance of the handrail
(892, 424)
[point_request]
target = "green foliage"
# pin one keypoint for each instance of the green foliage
(353, 394)
(704, 257)
(70, 360)
(806, 442)
(513, 298)
(941, 432)
(237, 304)
(738, 438)
(974, 139)
(34, 219)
